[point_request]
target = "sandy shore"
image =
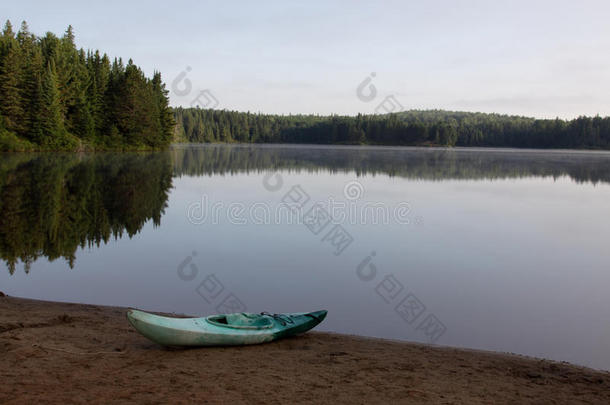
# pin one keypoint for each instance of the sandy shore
(73, 353)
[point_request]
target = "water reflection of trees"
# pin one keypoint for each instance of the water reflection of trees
(51, 204)
(422, 163)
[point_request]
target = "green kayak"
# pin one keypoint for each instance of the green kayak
(222, 330)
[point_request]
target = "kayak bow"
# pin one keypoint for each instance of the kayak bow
(241, 328)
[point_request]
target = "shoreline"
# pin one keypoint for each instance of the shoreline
(390, 147)
(89, 149)
(65, 352)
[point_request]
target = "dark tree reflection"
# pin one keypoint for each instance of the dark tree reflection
(51, 204)
(420, 163)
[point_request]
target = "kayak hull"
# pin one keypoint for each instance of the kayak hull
(209, 331)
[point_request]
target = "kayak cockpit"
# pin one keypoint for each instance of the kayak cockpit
(241, 320)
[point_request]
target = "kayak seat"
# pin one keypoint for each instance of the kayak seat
(241, 320)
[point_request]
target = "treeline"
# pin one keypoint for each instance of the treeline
(440, 128)
(54, 96)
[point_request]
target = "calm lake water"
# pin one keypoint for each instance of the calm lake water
(491, 249)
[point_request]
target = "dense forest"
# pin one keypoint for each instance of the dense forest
(54, 96)
(440, 128)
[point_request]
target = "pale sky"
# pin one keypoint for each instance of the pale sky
(534, 58)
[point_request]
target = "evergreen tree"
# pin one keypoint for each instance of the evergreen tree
(166, 115)
(29, 81)
(10, 80)
(52, 123)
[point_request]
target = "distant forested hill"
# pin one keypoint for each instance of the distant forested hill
(436, 127)
(54, 96)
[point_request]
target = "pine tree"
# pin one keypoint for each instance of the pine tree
(10, 79)
(71, 79)
(99, 71)
(80, 118)
(166, 116)
(33, 87)
(30, 82)
(52, 124)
